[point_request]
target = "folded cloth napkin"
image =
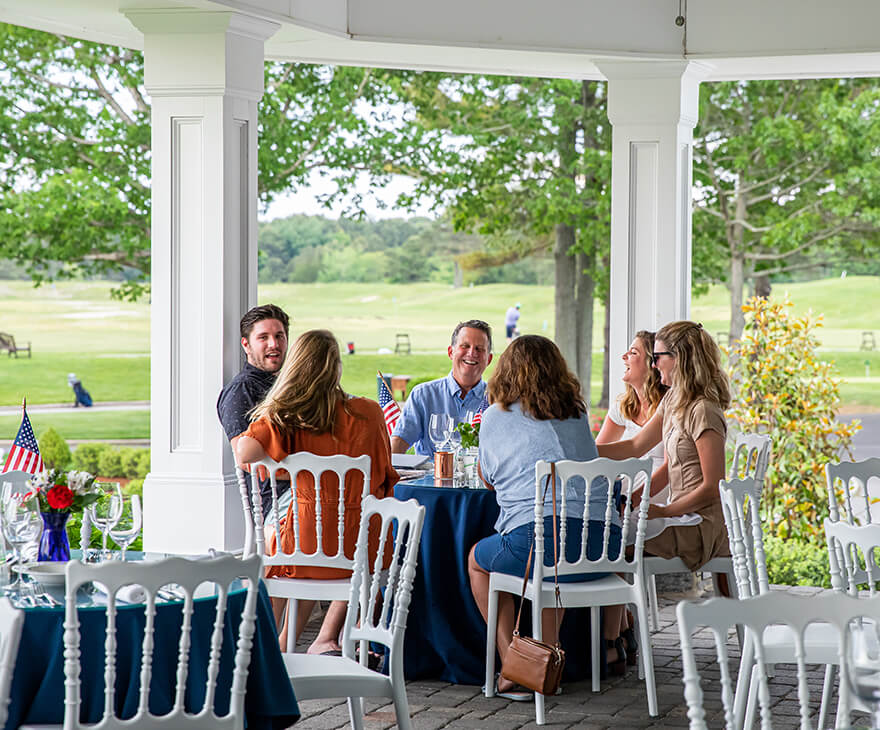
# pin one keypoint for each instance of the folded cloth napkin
(126, 594)
(656, 526)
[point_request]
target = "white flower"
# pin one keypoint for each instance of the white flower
(79, 481)
(41, 480)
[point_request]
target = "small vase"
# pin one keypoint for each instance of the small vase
(54, 545)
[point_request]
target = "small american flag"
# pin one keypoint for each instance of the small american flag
(389, 406)
(24, 454)
(478, 416)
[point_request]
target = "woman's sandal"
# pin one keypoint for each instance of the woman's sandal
(616, 668)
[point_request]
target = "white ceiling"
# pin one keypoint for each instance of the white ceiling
(746, 39)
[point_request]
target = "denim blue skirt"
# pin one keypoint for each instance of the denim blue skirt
(508, 553)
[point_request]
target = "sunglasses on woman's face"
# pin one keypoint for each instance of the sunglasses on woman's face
(656, 356)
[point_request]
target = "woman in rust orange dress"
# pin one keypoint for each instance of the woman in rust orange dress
(307, 410)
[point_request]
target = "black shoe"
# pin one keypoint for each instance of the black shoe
(616, 668)
(632, 646)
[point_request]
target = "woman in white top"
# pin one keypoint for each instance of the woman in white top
(643, 394)
(626, 417)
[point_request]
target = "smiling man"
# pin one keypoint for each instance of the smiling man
(264, 340)
(461, 391)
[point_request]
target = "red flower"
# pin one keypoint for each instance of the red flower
(59, 497)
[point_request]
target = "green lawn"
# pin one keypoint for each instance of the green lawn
(86, 424)
(76, 327)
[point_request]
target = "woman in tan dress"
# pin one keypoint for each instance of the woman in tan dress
(690, 421)
(307, 410)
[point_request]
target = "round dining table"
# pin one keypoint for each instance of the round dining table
(37, 692)
(445, 633)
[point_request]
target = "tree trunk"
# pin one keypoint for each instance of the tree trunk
(737, 279)
(583, 303)
(564, 296)
(606, 370)
(457, 275)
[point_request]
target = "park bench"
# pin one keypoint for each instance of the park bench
(7, 342)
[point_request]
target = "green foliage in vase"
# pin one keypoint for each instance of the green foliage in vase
(470, 434)
(54, 450)
(783, 389)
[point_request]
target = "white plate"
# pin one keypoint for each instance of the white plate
(407, 461)
(48, 573)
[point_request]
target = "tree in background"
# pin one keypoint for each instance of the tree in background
(75, 149)
(525, 162)
(784, 390)
(787, 178)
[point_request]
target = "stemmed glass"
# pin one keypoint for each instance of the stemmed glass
(863, 664)
(126, 530)
(439, 430)
(106, 512)
(22, 525)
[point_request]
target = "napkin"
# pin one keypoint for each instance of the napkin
(126, 594)
(656, 526)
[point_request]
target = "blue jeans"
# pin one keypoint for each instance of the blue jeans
(508, 553)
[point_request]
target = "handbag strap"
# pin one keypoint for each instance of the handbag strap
(551, 481)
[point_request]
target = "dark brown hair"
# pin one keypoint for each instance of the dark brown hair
(630, 406)
(532, 371)
(258, 314)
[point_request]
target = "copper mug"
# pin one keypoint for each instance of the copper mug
(443, 465)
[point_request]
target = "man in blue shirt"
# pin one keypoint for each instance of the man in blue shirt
(461, 391)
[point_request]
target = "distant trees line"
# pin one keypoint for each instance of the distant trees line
(305, 249)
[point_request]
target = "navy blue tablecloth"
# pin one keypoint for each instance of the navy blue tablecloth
(37, 694)
(445, 633)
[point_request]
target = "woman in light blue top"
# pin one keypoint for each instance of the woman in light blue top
(537, 413)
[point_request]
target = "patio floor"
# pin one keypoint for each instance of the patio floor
(621, 703)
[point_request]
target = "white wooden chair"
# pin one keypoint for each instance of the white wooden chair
(608, 591)
(11, 624)
(740, 500)
(751, 454)
(187, 575)
(848, 492)
(761, 615)
(336, 589)
(378, 606)
(249, 546)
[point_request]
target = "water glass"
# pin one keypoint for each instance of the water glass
(440, 428)
(126, 530)
(106, 512)
(22, 526)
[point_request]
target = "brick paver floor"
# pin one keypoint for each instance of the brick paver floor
(620, 704)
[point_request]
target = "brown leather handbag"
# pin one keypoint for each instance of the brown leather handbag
(529, 662)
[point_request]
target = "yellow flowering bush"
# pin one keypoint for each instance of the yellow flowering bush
(781, 388)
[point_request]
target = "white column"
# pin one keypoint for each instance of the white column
(653, 108)
(204, 73)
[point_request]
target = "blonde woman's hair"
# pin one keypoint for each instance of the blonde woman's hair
(630, 405)
(307, 391)
(697, 372)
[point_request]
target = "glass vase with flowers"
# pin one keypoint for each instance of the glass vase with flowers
(60, 494)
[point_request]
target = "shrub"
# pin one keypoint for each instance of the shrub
(110, 463)
(86, 457)
(143, 463)
(781, 388)
(54, 450)
(135, 486)
(797, 562)
(129, 460)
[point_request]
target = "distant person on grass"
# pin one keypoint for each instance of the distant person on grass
(461, 391)
(264, 331)
(510, 320)
(81, 396)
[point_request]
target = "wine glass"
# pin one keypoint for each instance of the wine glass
(106, 512)
(439, 430)
(863, 664)
(126, 530)
(22, 526)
